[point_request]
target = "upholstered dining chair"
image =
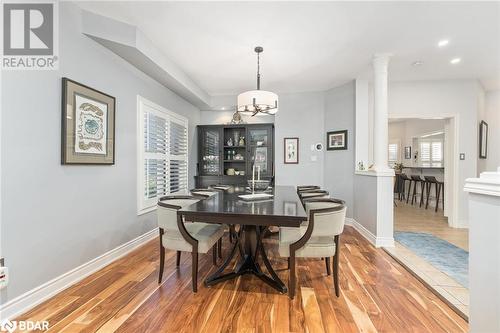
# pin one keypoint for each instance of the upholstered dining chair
(208, 192)
(309, 194)
(318, 237)
(301, 188)
(192, 237)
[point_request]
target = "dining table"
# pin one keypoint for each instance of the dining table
(283, 209)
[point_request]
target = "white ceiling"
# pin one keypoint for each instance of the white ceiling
(312, 46)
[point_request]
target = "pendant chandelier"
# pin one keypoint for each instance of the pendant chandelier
(258, 101)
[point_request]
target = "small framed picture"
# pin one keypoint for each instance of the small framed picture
(483, 140)
(408, 153)
(291, 150)
(336, 140)
(88, 125)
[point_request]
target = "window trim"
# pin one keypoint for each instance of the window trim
(143, 208)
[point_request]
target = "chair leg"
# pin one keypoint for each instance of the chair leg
(291, 279)
(438, 190)
(162, 257)
(409, 190)
(336, 266)
(194, 265)
(428, 192)
(178, 259)
(422, 186)
(162, 263)
(414, 194)
(214, 254)
(327, 263)
(219, 248)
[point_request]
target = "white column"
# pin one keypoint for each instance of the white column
(380, 114)
(484, 252)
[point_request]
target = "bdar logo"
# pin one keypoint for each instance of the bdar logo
(8, 326)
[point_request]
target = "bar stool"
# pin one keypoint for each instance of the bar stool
(416, 180)
(429, 180)
(402, 186)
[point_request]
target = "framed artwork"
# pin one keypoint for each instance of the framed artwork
(291, 150)
(336, 140)
(483, 139)
(408, 153)
(88, 125)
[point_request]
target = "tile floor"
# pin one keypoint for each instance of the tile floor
(413, 218)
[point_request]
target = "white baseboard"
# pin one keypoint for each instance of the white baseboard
(30, 299)
(376, 241)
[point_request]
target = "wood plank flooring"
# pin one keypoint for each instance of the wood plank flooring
(413, 218)
(377, 295)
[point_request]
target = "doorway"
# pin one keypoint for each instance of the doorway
(427, 241)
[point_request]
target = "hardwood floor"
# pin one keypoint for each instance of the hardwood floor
(415, 219)
(377, 295)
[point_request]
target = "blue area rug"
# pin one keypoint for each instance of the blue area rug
(445, 256)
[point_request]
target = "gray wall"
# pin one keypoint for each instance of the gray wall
(339, 165)
(55, 217)
(301, 115)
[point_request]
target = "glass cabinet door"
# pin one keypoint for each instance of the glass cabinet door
(260, 149)
(210, 152)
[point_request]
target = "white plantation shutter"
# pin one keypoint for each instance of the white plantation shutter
(437, 152)
(178, 157)
(393, 153)
(425, 152)
(431, 152)
(163, 151)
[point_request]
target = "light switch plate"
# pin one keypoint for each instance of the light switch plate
(314, 158)
(462, 156)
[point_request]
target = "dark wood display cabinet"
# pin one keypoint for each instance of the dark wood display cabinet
(227, 153)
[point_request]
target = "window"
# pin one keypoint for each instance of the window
(431, 152)
(162, 154)
(393, 153)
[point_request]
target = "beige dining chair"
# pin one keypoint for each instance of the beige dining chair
(301, 188)
(195, 237)
(309, 194)
(318, 237)
(208, 192)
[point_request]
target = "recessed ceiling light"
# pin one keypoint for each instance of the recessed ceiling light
(223, 108)
(443, 43)
(417, 63)
(455, 61)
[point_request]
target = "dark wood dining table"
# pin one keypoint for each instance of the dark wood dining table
(284, 209)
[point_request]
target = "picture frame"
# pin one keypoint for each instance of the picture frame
(483, 140)
(88, 125)
(336, 140)
(291, 150)
(408, 153)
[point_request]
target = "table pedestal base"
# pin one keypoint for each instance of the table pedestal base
(250, 247)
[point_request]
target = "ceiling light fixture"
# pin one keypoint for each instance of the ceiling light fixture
(258, 101)
(455, 61)
(417, 63)
(443, 43)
